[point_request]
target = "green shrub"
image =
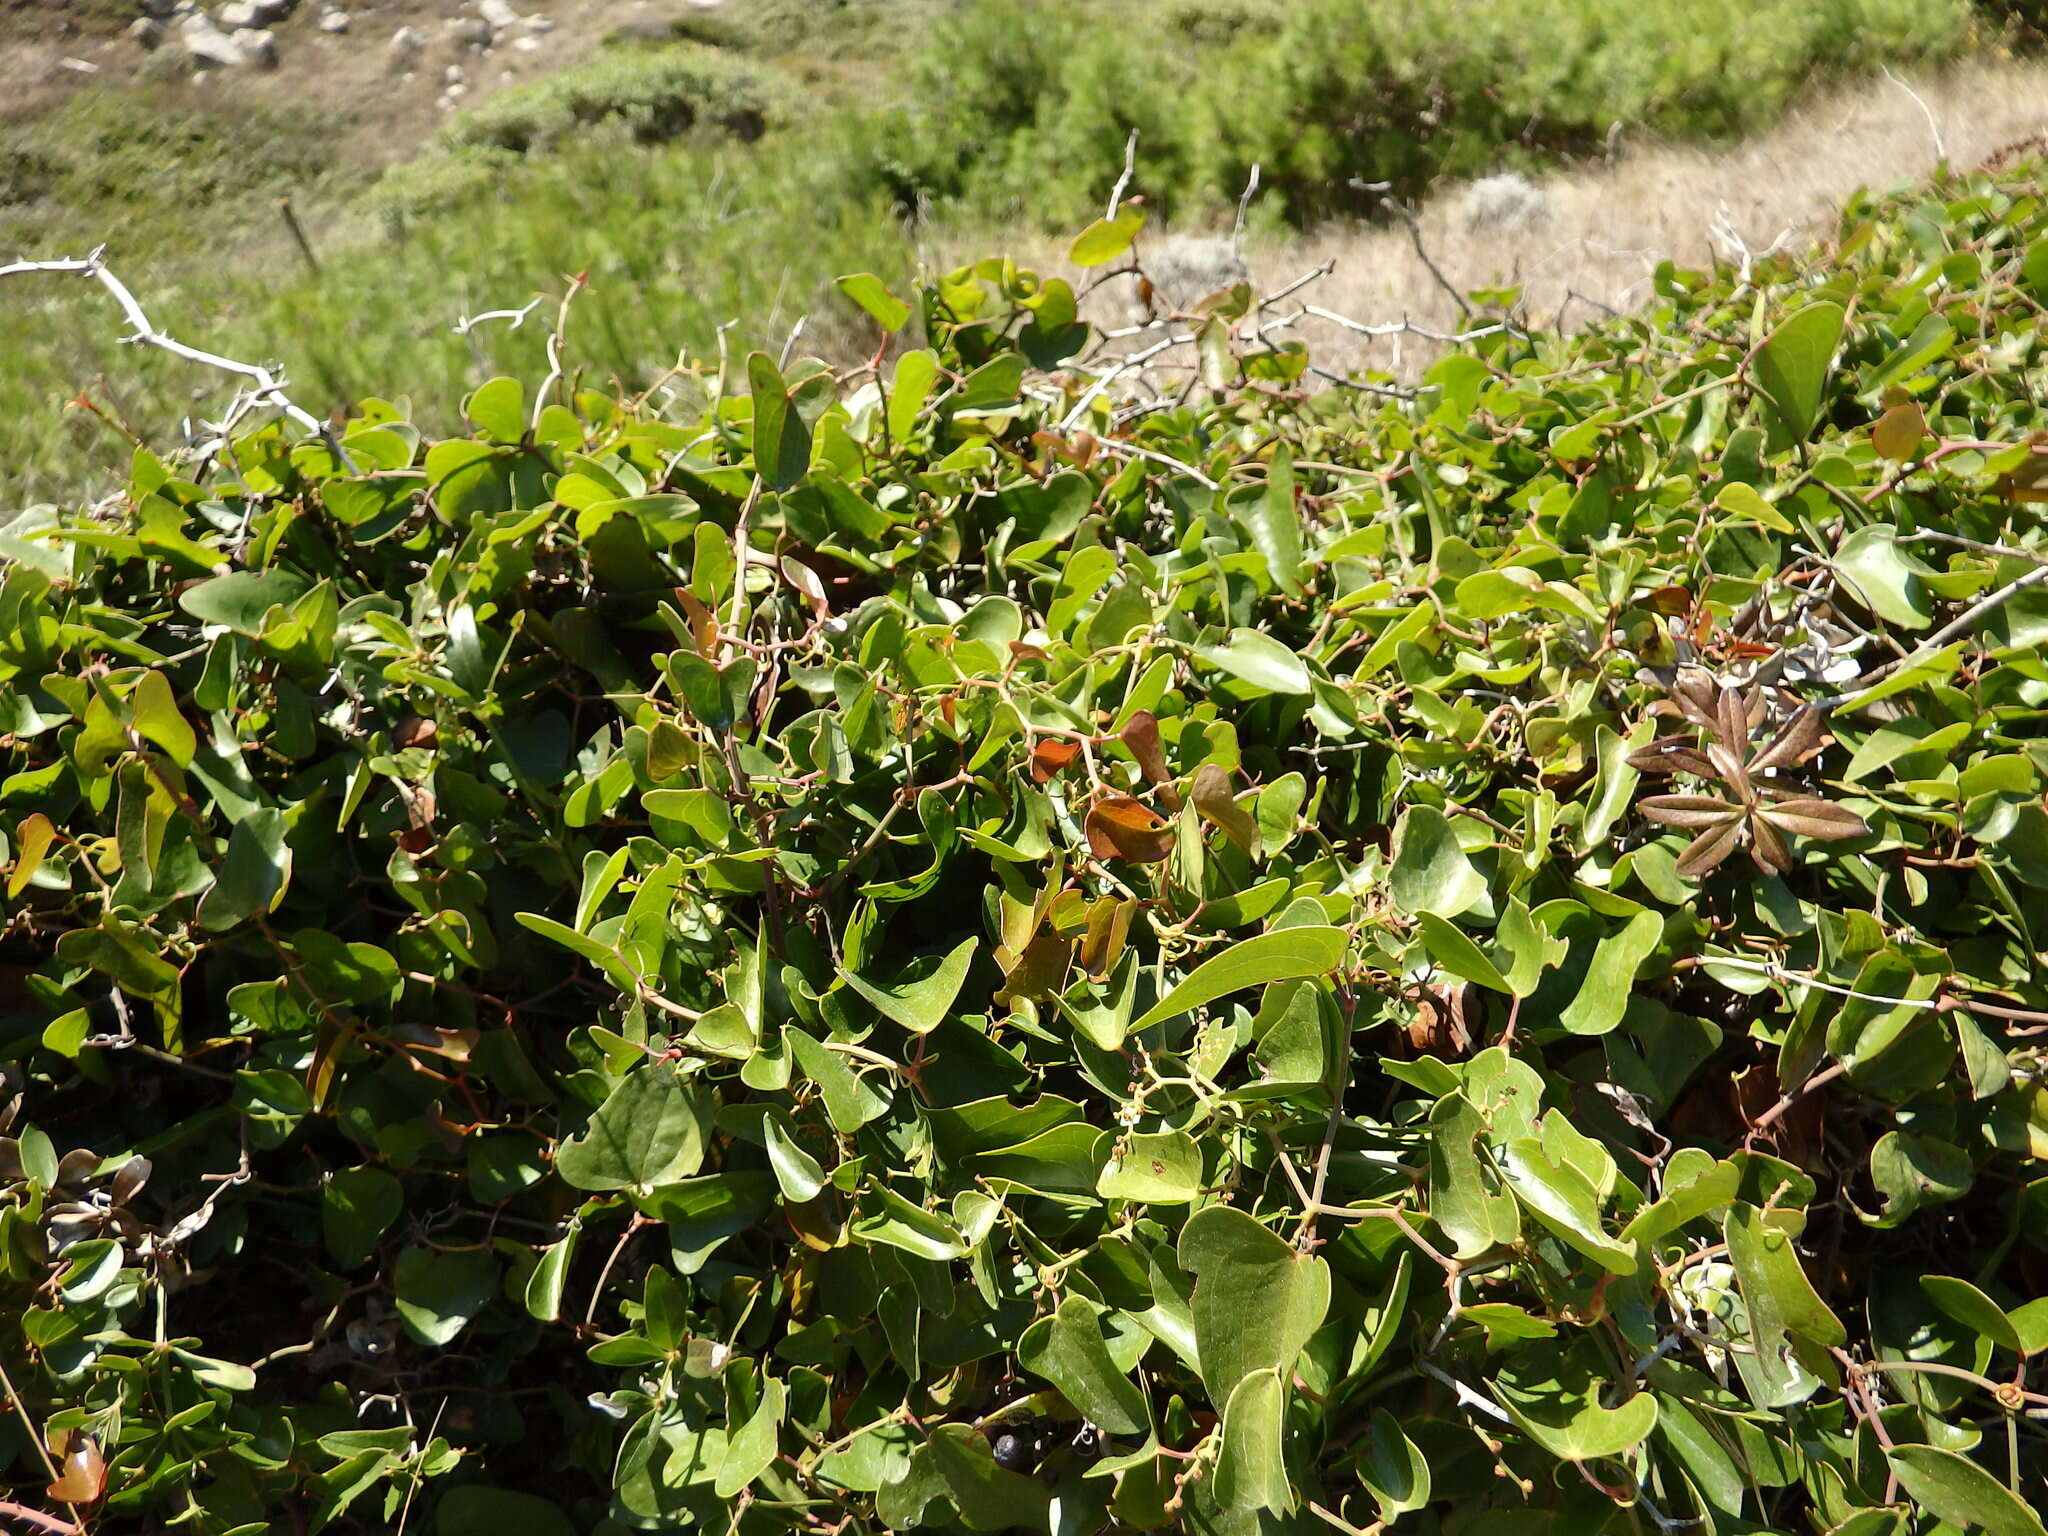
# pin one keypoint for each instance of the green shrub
(869, 954)
(1030, 106)
(649, 95)
(147, 163)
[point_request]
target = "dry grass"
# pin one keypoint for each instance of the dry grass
(1607, 226)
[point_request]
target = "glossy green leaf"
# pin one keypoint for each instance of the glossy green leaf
(1282, 955)
(649, 1130)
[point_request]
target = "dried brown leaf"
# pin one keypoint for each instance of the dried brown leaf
(1707, 850)
(1767, 846)
(1210, 791)
(1050, 756)
(1689, 811)
(1811, 816)
(1120, 827)
(1797, 740)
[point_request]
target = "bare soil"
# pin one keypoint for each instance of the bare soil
(350, 83)
(1605, 226)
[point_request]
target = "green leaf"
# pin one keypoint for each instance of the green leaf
(550, 1277)
(1886, 578)
(1258, 659)
(1448, 946)
(1273, 524)
(750, 1449)
(1954, 1488)
(782, 441)
(1780, 1298)
(240, 599)
(33, 837)
(498, 407)
(849, 1101)
(157, 718)
(796, 1171)
(872, 295)
(1913, 1171)
(1791, 367)
(1394, 1472)
(1257, 1300)
(1610, 979)
(357, 1207)
(920, 998)
(1106, 239)
(1251, 1473)
(1466, 1198)
(1068, 1350)
(1973, 1309)
(649, 1131)
(1281, 955)
(956, 1464)
(1552, 1393)
(439, 1294)
(1431, 872)
(1158, 1169)
(1561, 1199)
(254, 874)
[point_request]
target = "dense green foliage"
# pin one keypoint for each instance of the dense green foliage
(1032, 111)
(856, 953)
(869, 112)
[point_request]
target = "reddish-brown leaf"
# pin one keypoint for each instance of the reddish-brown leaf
(1120, 827)
(1767, 846)
(1109, 924)
(1796, 740)
(1210, 790)
(1671, 754)
(1898, 431)
(703, 623)
(1141, 735)
(1689, 811)
(414, 731)
(1671, 601)
(1811, 816)
(81, 1470)
(1707, 850)
(1051, 756)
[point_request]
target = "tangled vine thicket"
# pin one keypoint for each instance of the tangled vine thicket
(949, 946)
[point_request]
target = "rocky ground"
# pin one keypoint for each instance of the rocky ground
(382, 72)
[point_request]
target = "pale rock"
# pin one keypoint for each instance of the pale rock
(236, 15)
(453, 75)
(526, 44)
(498, 13)
(208, 46)
(258, 45)
(1184, 269)
(405, 48)
(1504, 203)
(334, 23)
(145, 32)
(540, 23)
(469, 32)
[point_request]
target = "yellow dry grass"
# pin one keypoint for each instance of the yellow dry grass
(1606, 226)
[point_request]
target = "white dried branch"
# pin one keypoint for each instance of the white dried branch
(1407, 327)
(464, 324)
(268, 385)
(1244, 204)
(1123, 182)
